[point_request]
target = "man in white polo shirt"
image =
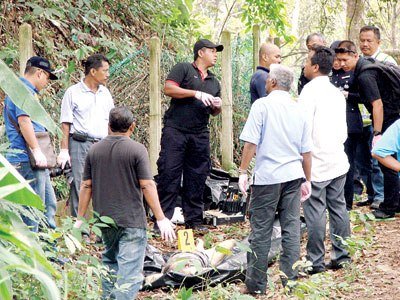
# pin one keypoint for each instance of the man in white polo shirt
(85, 110)
(326, 111)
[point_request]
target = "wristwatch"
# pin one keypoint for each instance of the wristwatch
(376, 132)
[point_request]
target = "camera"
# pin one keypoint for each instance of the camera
(58, 171)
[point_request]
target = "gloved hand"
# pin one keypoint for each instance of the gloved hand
(376, 139)
(345, 94)
(167, 229)
(243, 182)
(63, 158)
(207, 99)
(40, 159)
(78, 223)
(305, 191)
(217, 102)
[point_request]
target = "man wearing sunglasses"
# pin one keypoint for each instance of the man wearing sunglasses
(376, 91)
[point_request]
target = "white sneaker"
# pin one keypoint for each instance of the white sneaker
(178, 218)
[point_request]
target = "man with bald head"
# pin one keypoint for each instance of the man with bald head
(269, 54)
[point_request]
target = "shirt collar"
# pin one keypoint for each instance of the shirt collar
(263, 68)
(29, 84)
(204, 76)
(321, 78)
(375, 55)
(85, 88)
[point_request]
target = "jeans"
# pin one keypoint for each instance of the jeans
(46, 192)
(124, 256)
(24, 168)
(326, 195)
(265, 201)
(78, 152)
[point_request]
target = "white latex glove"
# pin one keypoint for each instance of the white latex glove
(243, 182)
(63, 158)
(78, 224)
(345, 94)
(207, 99)
(305, 191)
(375, 139)
(40, 159)
(167, 229)
(217, 102)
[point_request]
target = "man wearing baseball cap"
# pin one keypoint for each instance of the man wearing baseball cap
(185, 144)
(37, 76)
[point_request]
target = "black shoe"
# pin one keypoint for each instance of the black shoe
(379, 214)
(334, 265)
(315, 270)
(364, 203)
(202, 229)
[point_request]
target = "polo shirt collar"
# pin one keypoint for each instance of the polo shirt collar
(321, 78)
(263, 68)
(209, 73)
(85, 88)
(375, 55)
(29, 84)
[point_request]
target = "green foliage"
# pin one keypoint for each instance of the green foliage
(185, 294)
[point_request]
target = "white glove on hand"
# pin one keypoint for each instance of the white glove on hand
(217, 102)
(207, 99)
(40, 159)
(243, 182)
(167, 229)
(305, 191)
(345, 94)
(63, 158)
(78, 224)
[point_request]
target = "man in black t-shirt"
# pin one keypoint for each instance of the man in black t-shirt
(376, 90)
(117, 174)
(185, 146)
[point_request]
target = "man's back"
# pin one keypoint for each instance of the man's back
(115, 166)
(257, 84)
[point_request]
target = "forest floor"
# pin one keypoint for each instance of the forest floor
(373, 274)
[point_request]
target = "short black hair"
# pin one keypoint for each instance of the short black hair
(323, 57)
(120, 119)
(374, 29)
(348, 45)
(94, 61)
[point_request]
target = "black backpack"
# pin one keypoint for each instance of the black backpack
(390, 71)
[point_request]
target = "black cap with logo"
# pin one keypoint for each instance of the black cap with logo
(41, 63)
(207, 44)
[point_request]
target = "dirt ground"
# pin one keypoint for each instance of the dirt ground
(374, 273)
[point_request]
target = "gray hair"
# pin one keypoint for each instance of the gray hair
(283, 75)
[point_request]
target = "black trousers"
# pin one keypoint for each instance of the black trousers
(350, 147)
(391, 184)
(184, 160)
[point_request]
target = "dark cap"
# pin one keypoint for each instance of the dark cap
(41, 63)
(206, 43)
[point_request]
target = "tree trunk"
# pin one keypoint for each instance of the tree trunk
(354, 19)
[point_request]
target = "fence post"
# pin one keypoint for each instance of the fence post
(155, 102)
(256, 45)
(226, 93)
(25, 46)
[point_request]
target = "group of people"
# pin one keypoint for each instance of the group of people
(309, 150)
(305, 152)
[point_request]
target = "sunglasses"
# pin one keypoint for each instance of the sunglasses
(344, 50)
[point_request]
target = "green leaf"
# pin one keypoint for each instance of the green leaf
(96, 231)
(22, 97)
(223, 250)
(70, 244)
(107, 220)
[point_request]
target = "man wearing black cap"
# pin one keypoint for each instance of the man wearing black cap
(37, 76)
(185, 146)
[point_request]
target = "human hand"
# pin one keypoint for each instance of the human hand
(243, 182)
(40, 159)
(217, 102)
(207, 99)
(376, 139)
(305, 191)
(345, 94)
(63, 158)
(167, 229)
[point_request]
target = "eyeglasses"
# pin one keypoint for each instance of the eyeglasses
(344, 50)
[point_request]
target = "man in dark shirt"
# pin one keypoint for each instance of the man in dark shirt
(376, 90)
(117, 174)
(269, 54)
(185, 146)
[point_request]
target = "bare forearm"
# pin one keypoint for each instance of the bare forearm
(248, 152)
(25, 124)
(177, 92)
(307, 165)
(389, 162)
(150, 194)
(377, 113)
(85, 195)
(65, 127)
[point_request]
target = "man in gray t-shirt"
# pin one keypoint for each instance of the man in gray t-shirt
(117, 175)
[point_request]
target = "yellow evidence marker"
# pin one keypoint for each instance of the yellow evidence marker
(186, 240)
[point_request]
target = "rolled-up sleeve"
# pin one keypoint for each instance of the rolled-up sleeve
(389, 144)
(66, 108)
(252, 131)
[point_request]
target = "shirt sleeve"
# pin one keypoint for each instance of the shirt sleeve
(18, 112)
(307, 105)
(87, 171)
(66, 108)
(143, 170)
(306, 140)
(178, 73)
(368, 83)
(389, 144)
(252, 130)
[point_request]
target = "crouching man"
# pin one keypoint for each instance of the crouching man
(117, 174)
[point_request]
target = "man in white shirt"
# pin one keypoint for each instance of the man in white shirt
(277, 130)
(325, 107)
(85, 110)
